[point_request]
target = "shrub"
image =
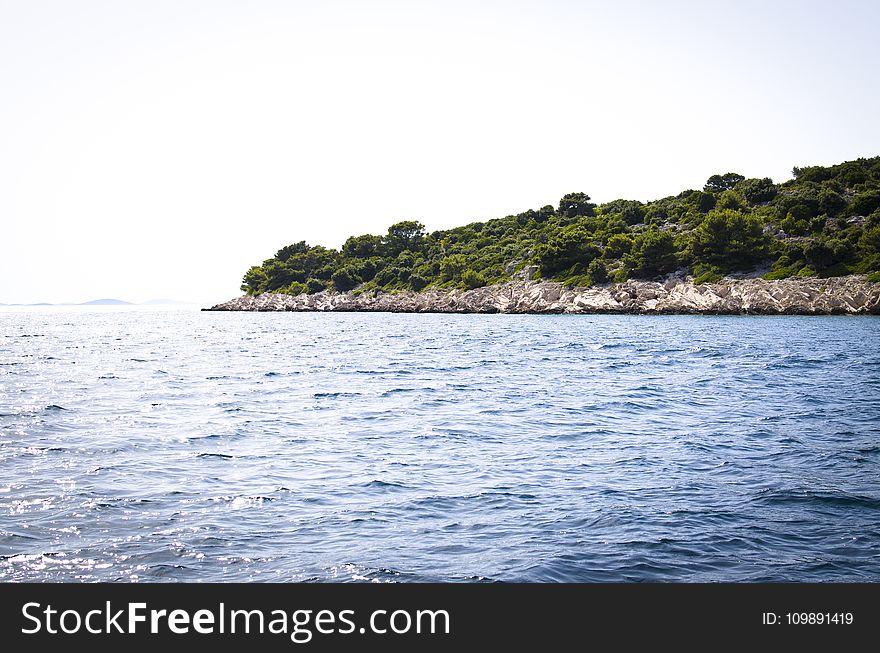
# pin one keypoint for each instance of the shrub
(870, 240)
(821, 254)
(836, 270)
(633, 213)
(254, 281)
(597, 271)
(806, 271)
(800, 212)
(818, 254)
(757, 191)
(295, 288)
(794, 227)
(578, 281)
(473, 279)
(345, 279)
(811, 173)
(805, 196)
(831, 202)
(870, 263)
(386, 277)
(706, 274)
(571, 246)
(365, 269)
(865, 203)
(417, 283)
(575, 204)
(654, 253)
(730, 200)
(730, 240)
(452, 267)
(618, 245)
(315, 285)
(703, 202)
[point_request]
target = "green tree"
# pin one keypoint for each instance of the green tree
(702, 201)
(597, 271)
(794, 226)
(618, 245)
(831, 202)
(800, 212)
(573, 245)
(721, 183)
(386, 277)
(278, 274)
(254, 281)
(452, 267)
(575, 204)
(633, 213)
(865, 203)
(289, 250)
(653, 253)
(822, 253)
(406, 235)
(365, 246)
(804, 194)
(316, 262)
(295, 288)
(815, 174)
(540, 216)
(417, 282)
(851, 174)
(730, 240)
(366, 268)
(757, 191)
(473, 279)
(344, 279)
(730, 199)
(870, 240)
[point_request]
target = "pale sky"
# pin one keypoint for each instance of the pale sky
(159, 148)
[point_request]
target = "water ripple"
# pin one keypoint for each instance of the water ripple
(185, 446)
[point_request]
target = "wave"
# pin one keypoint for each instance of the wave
(819, 498)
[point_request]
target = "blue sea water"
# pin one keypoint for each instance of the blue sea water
(155, 445)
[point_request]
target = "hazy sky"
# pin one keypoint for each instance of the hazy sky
(158, 149)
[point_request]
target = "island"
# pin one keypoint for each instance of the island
(810, 245)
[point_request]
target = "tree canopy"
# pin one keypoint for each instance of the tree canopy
(825, 221)
(721, 183)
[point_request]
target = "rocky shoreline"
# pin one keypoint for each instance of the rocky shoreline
(853, 295)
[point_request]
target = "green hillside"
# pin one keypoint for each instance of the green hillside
(824, 222)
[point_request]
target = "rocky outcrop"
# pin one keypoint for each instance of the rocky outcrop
(796, 296)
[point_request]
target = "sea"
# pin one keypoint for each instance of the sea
(155, 445)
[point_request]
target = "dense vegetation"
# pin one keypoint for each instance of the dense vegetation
(823, 222)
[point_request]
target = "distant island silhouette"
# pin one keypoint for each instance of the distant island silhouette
(107, 302)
